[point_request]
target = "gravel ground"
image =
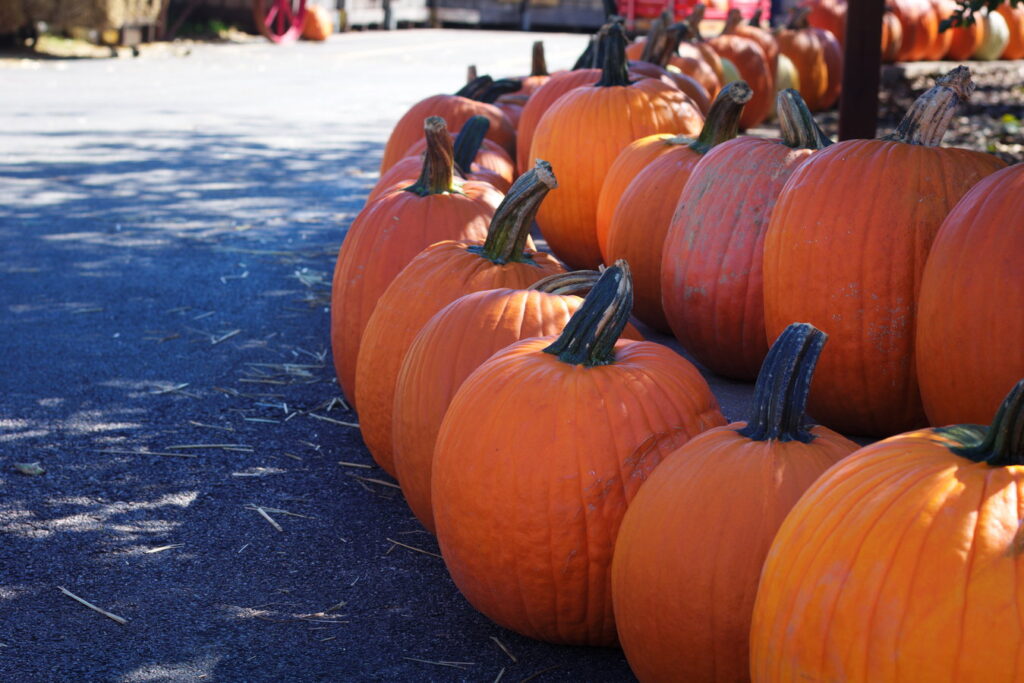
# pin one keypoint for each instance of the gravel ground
(169, 225)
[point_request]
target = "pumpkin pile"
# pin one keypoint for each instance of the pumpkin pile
(583, 483)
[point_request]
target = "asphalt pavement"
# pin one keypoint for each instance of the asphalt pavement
(173, 447)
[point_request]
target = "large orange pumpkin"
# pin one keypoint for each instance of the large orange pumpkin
(583, 133)
(711, 269)
(389, 232)
(845, 249)
(539, 454)
(692, 543)
(440, 274)
(818, 59)
(453, 344)
(902, 563)
(971, 311)
(637, 229)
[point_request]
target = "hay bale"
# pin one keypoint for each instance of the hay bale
(12, 16)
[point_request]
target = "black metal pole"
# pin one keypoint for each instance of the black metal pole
(862, 64)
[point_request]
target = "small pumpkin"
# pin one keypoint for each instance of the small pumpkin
(997, 37)
(755, 69)
(318, 25)
(902, 563)
(734, 25)
(920, 28)
(1014, 17)
(693, 542)
(540, 452)
(892, 36)
(818, 59)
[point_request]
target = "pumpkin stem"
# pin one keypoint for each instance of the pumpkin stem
(614, 69)
(657, 36)
(780, 394)
(468, 141)
(476, 86)
(590, 335)
(539, 66)
(499, 88)
(438, 165)
(929, 116)
(723, 121)
(799, 18)
(567, 283)
(471, 74)
(755, 18)
(586, 59)
(1000, 445)
(506, 236)
(732, 20)
(693, 21)
(799, 129)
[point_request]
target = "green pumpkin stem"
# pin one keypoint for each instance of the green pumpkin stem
(614, 69)
(586, 59)
(438, 163)
(723, 121)
(567, 283)
(475, 87)
(929, 116)
(799, 129)
(468, 141)
(1000, 445)
(590, 335)
(539, 66)
(499, 88)
(780, 394)
(510, 227)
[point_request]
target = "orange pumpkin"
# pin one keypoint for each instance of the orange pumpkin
(969, 324)
(829, 15)
(920, 28)
(694, 46)
(892, 36)
(902, 563)
(965, 41)
(752, 64)
(583, 133)
(943, 39)
(818, 59)
(318, 24)
(389, 232)
(542, 99)
(440, 274)
(711, 268)
(641, 219)
(734, 25)
(456, 110)
(1014, 17)
(453, 344)
(692, 543)
(539, 454)
(845, 249)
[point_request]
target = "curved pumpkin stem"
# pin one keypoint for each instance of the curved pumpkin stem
(929, 116)
(780, 394)
(590, 335)
(614, 69)
(506, 236)
(539, 66)
(755, 18)
(733, 19)
(499, 88)
(693, 21)
(657, 38)
(438, 164)
(468, 141)
(476, 86)
(799, 129)
(1000, 445)
(723, 121)
(567, 283)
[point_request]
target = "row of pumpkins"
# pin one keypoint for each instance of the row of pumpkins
(911, 30)
(521, 420)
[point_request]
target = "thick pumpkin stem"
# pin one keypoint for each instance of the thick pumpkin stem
(539, 66)
(755, 18)
(468, 141)
(1000, 445)
(780, 394)
(799, 17)
(590, 335)
(567, 283)
(799, 129)
(476, 86)
(510, 227)
(499, 88)
(614, 68)
(723, 121)
(471, 74)
(657, 37)
(586, 59)
(693, 21)
(438, 164)
(732, 20)
(929, 116)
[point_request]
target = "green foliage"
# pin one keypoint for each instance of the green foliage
(963, 15)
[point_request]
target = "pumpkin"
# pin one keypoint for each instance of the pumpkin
(711, 269)
(583, 133)
(540, 452)
(943, 39)
(542, 99)
(969, 325)
(849, 261)
(452, 344)
(694, 46)
(734, 25)
(1014, 17)
(691, 87)
(892, 36)
(437, 276)
(318, 24)
(538, 70)
(390, 231)
(754, 68)
(829, 15)
(818, 59)
(965, 41)
(692, 543)
(641, 219)
(996, 39)
(902, 563)
(698, 70)
(920, 28)
(455, 110)
(786, 78)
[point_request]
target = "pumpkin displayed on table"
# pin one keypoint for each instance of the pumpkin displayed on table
(541, 449)
(692, 544)
(845, 249)
(902, 563)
